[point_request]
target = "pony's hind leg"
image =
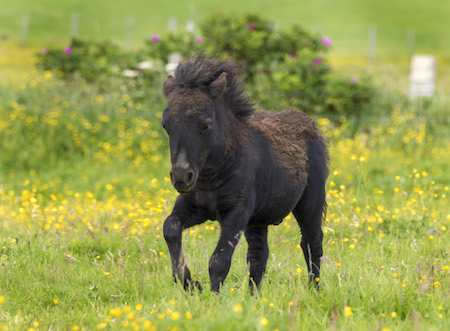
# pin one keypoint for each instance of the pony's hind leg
(311, 243)
(311, 209)
(257, 255)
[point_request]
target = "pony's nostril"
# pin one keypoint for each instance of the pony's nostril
(189, 177)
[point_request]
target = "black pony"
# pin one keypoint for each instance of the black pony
(246, 169)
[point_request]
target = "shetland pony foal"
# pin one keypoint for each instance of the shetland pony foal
(243, 168)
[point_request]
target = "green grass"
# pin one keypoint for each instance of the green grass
(81, 233)
(89, 277)
(345, 22)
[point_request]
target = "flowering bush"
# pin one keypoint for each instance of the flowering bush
(255, 42)
(186, 44)
(248, 39)
(307, 82)
(286, 68)
(89, 59)
(349, 96)
(281, 68)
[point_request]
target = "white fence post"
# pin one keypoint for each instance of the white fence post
(422, 76)
(24, 26)
(173, 60)
(74, 25)
(129, 25)
(172, 24)
(190, 26)
(192, 9)
(410, 41)
(372, 45)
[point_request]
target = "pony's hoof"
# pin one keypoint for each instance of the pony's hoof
(194, 285)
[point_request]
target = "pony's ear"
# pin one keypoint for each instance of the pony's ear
(219, 85)
(169, 85)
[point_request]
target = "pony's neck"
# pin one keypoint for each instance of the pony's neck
(233, 131)
(223, 156)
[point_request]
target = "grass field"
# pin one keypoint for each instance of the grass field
(84, 193)
(346, 22)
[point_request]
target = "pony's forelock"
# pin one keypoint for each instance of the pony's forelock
(199, 72)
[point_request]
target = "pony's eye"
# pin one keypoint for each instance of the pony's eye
(205, 127)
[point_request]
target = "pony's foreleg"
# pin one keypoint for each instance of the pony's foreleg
(173, 228)
(220, 262)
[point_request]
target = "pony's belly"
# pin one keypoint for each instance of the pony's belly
(269, 217)
(275, 209)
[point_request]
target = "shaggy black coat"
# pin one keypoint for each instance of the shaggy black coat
(246, 169)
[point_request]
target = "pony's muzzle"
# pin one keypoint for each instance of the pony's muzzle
(183, 179)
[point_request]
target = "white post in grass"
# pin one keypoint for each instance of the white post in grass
(192, 9)
(410, 41)
(372, 45)
(422, 76)
(24, 26)
(129, 24)
(173, 60)
(190, 26)
(74, 26)
(172, 24)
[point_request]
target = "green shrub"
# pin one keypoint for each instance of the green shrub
(307, 83)
(248, 39)
(348, 96)
(286, 68)
(297, 82)
(91, 60)
(160, 48)
(254, 42)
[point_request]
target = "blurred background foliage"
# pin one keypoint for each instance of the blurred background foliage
(95, 102)
(346, 22)
(281, 68)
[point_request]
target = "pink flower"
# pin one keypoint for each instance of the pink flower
(353, 80)
(326, 41)
(251, 27)
(293, 55)
(317, 61)
(198, 40)
(68, 51)
(155, 38)
(44, 51)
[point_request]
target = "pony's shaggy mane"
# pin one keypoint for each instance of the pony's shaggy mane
(200, 71)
